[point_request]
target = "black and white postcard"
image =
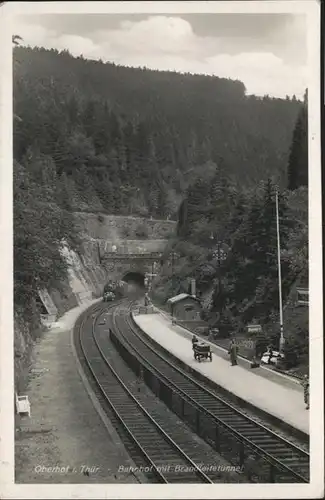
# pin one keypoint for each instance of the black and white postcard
(161, 256)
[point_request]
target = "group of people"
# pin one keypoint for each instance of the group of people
(305, 384)
(233, 352)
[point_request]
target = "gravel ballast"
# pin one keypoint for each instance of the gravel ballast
(65, 440)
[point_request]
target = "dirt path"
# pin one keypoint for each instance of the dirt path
(65, 440)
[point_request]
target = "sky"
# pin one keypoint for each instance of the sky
(267, 52)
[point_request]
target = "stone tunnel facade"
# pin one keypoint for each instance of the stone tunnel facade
(113, 245)
(118, 266)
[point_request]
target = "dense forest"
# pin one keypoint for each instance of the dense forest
(130, 140)
(218, 216)
(98, 137)
(243, 225)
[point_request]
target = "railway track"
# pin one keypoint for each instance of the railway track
(151, 447)
(240, 439)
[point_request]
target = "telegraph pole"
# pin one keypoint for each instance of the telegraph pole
(173, 284)
(219, 268)
(282, 341)
(220, 254)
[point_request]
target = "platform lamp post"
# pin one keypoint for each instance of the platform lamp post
(174, 255)
(221, 255)
(149, 278)
(148, 282)
(216, 254)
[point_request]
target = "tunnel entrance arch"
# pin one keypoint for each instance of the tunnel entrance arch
(134, 277)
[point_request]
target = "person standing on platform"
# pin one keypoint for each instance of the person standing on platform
(194, 341)
(305, 384)
(233, 351)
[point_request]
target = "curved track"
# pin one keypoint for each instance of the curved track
(152, 449)
(279, 460)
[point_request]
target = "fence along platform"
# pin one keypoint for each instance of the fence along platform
(278, 400)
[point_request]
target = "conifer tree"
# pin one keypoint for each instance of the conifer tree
(196, 196)
(89, 117)
(73, 110)
(162, 201)
(298, 159)
(182, 218)
(237, 215)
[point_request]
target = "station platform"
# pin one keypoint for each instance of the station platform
(273, 393)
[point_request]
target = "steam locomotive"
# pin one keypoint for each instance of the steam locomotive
(113, 290)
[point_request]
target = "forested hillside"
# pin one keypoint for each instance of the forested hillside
(129, 140)
(218, 216)
(97, 137)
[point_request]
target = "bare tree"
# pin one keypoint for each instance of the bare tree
(16, 39)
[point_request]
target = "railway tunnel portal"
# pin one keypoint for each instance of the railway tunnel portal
(132, 266)
(114, 247)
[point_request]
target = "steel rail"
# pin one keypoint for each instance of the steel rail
(174, 445)
(197, 473)
(273, 461)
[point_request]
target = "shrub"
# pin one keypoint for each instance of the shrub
(126, 232)
(141, 231)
